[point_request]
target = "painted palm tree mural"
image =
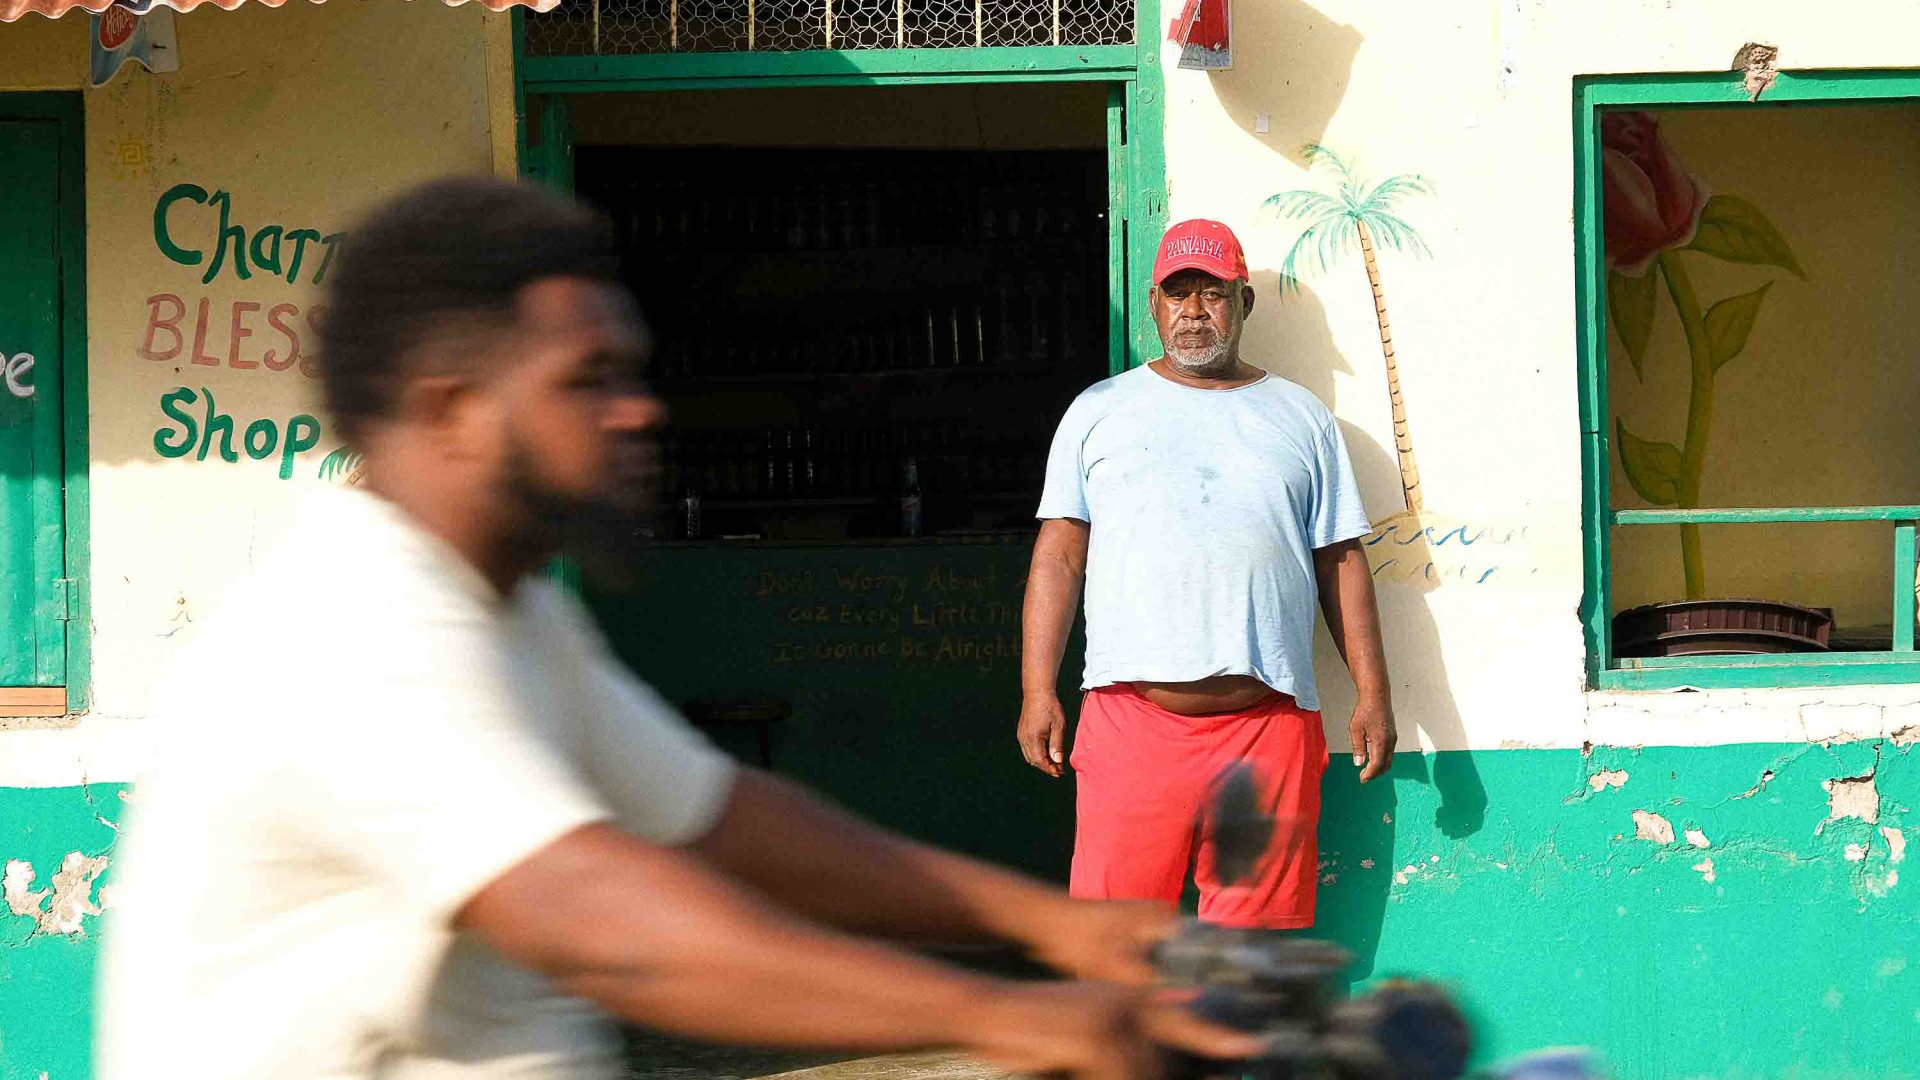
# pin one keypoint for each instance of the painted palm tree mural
(1415, 546)
(1358, 217)
(343, 466)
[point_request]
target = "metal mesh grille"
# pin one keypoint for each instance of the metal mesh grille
(598, 27)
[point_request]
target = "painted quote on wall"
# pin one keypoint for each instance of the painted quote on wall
(194, 227)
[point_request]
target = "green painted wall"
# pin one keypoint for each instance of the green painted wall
(1505, 873)
(46, 981)
(1529, 891)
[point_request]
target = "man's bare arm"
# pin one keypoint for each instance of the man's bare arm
(831, 866)
(656, 937)
(1346, 597)
(1053, 596)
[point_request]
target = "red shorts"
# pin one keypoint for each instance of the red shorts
(1145, 776)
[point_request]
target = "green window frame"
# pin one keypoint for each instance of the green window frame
(1593, 95)
(73, 611)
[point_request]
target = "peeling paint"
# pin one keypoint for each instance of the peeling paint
(61, 909)
(1698, 839)
(1608, 778)
(1405, 873)
(1907, 736)
(1765, 779)
(1652, 828)
(1856, 852)
(1366, 864)
(1851, 797)
(1705, 866)
(1896, 843)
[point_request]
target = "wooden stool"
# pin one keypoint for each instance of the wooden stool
(762, 715)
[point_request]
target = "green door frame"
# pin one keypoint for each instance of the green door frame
(1136, 116)
(64, 109)
(1593, 94)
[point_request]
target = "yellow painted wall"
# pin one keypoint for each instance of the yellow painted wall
(304, 115)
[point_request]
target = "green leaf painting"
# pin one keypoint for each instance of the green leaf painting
(1630, 303)
(1730, 323)
(1734, 230)
(1658, 220)
(1653, 468)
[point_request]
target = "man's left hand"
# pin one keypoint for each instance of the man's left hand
(1373, 733)
(1111, 940)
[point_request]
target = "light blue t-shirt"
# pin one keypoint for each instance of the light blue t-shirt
(1206, 507)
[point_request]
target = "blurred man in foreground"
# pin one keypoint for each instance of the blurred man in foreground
(412, 819)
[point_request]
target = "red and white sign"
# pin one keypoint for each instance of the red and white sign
(1203, 30)
(134, 30)
(117, 24)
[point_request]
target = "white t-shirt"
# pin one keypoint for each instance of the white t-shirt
(363, 739)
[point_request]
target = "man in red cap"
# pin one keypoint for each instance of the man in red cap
(1207, 507)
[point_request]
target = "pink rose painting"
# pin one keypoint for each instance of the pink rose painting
(1652, 203)
(1655, 216)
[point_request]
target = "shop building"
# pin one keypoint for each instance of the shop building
(1579, 284)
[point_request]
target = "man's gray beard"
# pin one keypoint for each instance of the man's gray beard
(1201, 363)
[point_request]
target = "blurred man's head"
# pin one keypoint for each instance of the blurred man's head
(1200, 298)
(478, 344)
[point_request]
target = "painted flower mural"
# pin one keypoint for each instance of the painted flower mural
(1653, 203)
(1657, 216)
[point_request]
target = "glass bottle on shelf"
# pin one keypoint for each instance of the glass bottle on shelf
(846, 213)
(870, 214)
(688, 502)
(1008, 347)
(827, 468)
(789, 463)
(1043, 319)
(770, 466)
(796, 214)
(822, 214)
(910, 523)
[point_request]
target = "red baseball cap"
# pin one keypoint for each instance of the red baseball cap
(1200, 245)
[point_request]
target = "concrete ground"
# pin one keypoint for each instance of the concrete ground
(657, 1058)
(661, 1057)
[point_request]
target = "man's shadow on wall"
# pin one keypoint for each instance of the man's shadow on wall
(1292, 339)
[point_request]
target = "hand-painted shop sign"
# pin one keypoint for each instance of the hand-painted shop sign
(208, 429)
(195, 227)
(272, 248)
(13, 374)
(132, 30)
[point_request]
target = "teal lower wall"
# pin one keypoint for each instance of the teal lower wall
(1509, 876)
(1506, 874)
(46, 980)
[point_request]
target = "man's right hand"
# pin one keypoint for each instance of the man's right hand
(1093, 1031)
(1043, 732)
